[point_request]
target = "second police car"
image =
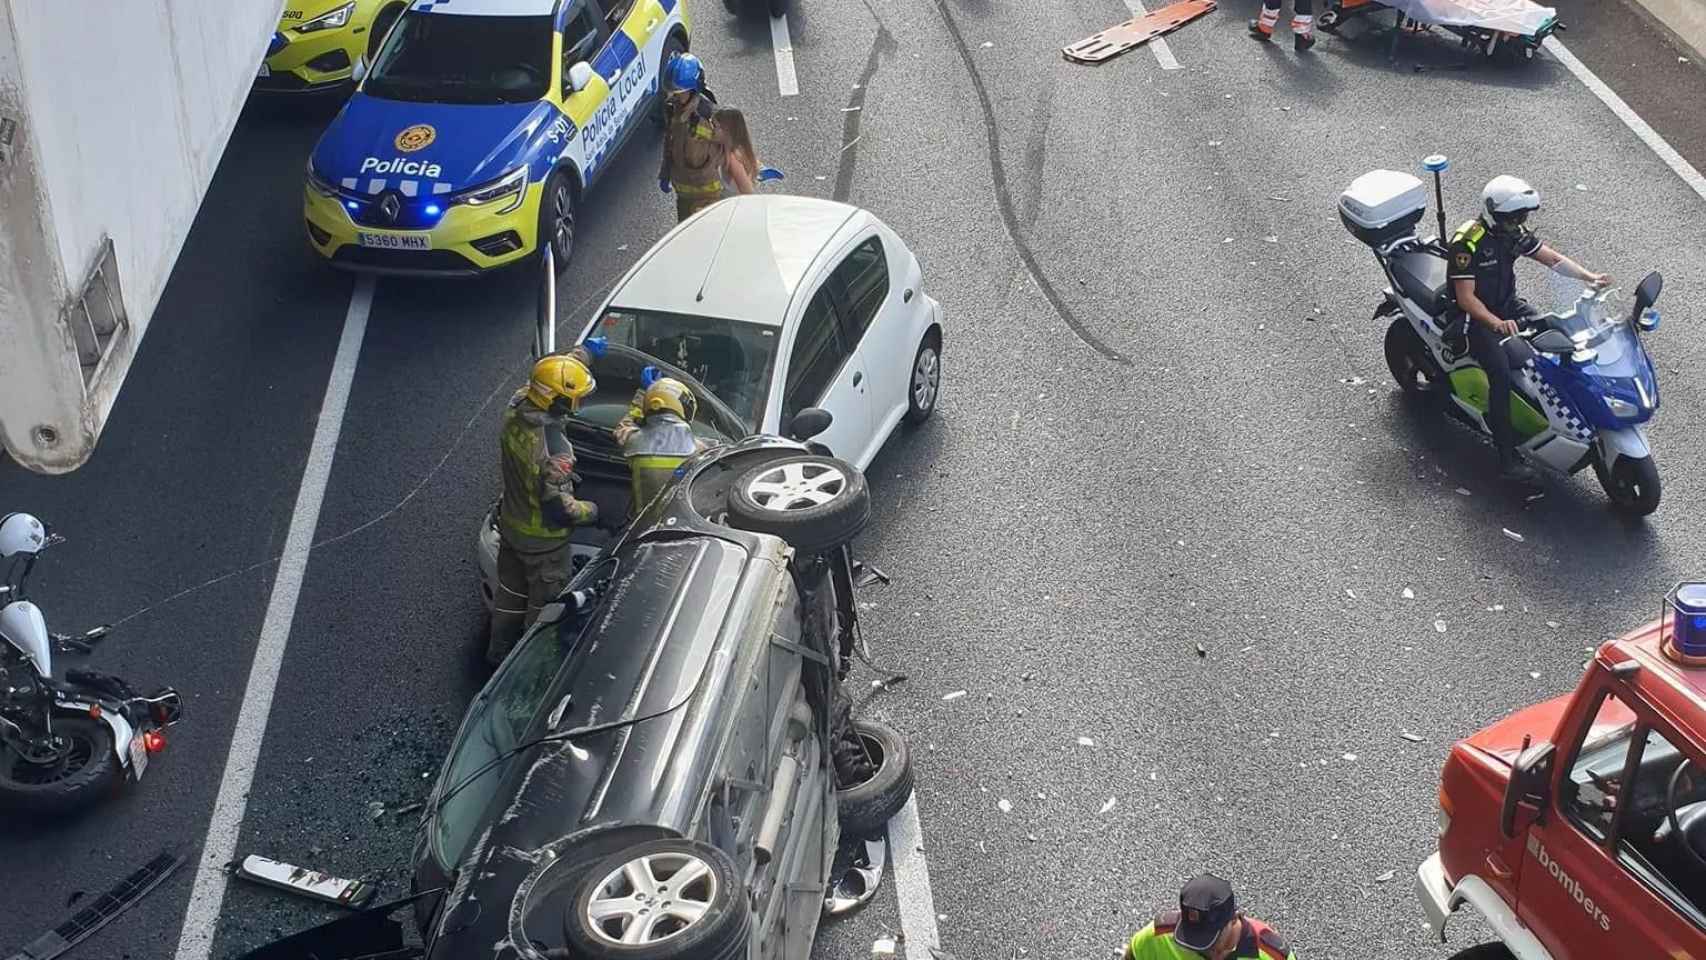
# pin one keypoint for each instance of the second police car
(478, 127)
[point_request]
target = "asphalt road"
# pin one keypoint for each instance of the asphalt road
(1166, 423)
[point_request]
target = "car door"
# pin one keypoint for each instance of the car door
(623, 64)
(873, 324)
(823, 371)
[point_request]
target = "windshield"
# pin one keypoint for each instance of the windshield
(732, 358)
(441, 58)
(1601, 324)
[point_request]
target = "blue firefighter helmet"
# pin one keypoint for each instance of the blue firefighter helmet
(684, 72)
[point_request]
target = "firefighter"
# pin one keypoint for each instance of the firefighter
(657, 436)
(539, 509)
(1302, 23)
(1207, 925)
(698, 149)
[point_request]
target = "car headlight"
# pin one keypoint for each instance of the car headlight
(507, 190)
(1620, 407)
(329, 21)
(317, 183)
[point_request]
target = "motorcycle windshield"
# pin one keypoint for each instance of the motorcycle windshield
(1602, 326)
(1618, 353)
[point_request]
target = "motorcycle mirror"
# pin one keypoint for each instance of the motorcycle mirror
(1552, 341)
(1647, 293)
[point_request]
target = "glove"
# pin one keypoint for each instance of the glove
(649, 375)
(597, 346)
(767, 174)
(663, 184)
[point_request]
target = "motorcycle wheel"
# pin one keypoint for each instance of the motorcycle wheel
(1412, 366)
(86, 773)
(1632, 485)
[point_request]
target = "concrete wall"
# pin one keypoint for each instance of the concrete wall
(121, 111)
(1685, 18)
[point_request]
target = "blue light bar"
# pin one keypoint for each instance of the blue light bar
(1687, 605)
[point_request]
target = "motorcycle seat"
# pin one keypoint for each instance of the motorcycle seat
(1420, 277)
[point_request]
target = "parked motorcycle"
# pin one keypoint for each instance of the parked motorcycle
(1584, 384)
(66, 741)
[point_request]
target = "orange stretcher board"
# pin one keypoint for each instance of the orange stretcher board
(1135, 32)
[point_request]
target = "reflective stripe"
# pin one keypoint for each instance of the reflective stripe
(701, 190)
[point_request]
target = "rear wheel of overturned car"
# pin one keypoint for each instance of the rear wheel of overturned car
(80, 771)
(557, 219)
(670, 899)
(815, 503)
(1631, 483)
(873, 776)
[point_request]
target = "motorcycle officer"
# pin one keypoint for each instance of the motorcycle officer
(1207, 926)
(1482, 272)
(539, 509)
(657, 436)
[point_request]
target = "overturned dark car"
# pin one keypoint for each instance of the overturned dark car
(665, 766)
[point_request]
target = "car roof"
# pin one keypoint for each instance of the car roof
(742, 259)
(487, 8)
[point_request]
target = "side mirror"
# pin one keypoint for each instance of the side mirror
(1552, 341)
(359, 71)
(1647, 293)
(808, 423)
(1518, 351)
(580, 75)
(1530, 785)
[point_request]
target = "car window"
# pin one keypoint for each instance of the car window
(616, 11)
(863, 280)
(580, 41)
(1590, 792)
(498, 721)
(1649, 845)
(817, 355)
(732, 358)
(443, 58)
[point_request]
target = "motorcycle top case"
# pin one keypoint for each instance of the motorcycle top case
(1382, 206)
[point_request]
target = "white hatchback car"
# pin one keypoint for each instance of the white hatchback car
(765, 306)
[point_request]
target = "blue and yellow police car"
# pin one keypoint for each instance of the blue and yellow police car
(319, 43)
(478, 128)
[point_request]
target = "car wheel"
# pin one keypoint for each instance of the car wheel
(84, 773)
(671, 47)
(1632, 484)
(1485, 951)
(557, 219)
(873, 773)
(924, 383)
(813, 502)
(669, 899)
(381, 26)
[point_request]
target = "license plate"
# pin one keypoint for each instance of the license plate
(395, 241)
(138, 756)
(264, 71)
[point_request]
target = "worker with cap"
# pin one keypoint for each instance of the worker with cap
(538, 510)
(1302, 23)
(698, 149)
(1207, 925)
(656, 435)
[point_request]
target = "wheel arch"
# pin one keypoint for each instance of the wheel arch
(1474, 892)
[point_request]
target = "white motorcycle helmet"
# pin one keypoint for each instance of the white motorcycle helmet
(1508, 201)
(21, 535)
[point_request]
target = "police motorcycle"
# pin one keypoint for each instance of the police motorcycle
(1583, 385)
(67, 741)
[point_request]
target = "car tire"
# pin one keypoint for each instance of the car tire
(89, 775)
(1631, 483)
(557, 218)
(381, 26)
(719, 932)
(671, 46)
(814, 502)
(924, 379)
(877, 753)
(1485, 951)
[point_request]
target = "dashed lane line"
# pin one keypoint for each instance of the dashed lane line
(195, 938)
(783, 44)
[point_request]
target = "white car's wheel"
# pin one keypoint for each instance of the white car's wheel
(924, 381)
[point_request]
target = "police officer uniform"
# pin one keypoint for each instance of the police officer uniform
(1488, 257)
(1206, 907)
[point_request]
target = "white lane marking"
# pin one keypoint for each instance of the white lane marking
(1163, 53)
(912, 882)
(1630, 118)
(195, 939)
(786, 81)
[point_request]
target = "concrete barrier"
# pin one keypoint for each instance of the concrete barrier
(1685, 18)
(112, 120)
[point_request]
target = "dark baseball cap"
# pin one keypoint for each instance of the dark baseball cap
(1206, 906)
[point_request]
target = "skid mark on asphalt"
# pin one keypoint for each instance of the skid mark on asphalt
(883, 46)
(195, 940)
(1004, 199)
(427, 478)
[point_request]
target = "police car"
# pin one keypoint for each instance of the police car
(319, 42)
(478, 128)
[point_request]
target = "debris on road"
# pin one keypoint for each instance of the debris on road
(375, 810)
(1407, 735)
(1133, 33)
(1348, 757)
(1386, 877)
(987, 44)
(1534, 674)
(1553, 624)
(1109, 803)
(1439, 626)
(80, 926)
(1003, 805)
(1512, 534)
(1409, 594)
(1086, 742)
(865, 574)
(1202, 651)
(304, 882)
(883, 947)
(407, 809)
(1280, 198)
(1464, 492)
(953, 696)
